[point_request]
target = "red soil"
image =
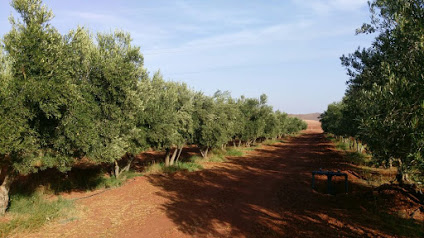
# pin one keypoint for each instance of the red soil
(265, 194)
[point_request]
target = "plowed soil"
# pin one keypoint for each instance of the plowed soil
(267, 193)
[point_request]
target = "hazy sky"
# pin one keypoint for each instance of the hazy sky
(287, 49)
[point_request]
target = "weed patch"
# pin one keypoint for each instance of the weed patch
(31, 212)
(179, 166)
(235, 152)
(359, 159)
(270, 142)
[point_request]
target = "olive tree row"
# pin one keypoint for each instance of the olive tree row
(383, 106)
(68, 97)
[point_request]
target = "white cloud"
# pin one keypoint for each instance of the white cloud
(303, 30)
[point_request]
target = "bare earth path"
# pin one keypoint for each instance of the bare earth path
(265, 194)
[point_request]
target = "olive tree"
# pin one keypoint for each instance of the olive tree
(41, 104)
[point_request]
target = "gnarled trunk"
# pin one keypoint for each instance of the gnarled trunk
(204, 152)
(179, 154)
(117, 171)
(401, 176)
(174, 155)
(4, 193)
(167, 157)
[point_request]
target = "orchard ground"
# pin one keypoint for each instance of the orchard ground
(267, 193)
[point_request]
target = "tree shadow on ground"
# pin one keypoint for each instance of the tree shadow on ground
(85, 176)
(268, 194)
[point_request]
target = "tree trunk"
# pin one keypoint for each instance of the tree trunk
(239, 144)
(116, 169)
(179, 154)
(234, 143)
(167, 157)
(390, 163)
(204, 152)
(128, 166)
(4, 193)
(401, 176)
(174, 155)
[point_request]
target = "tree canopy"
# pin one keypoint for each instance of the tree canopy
(384, 102)
(82, 95)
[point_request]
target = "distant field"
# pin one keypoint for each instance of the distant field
(309, 116)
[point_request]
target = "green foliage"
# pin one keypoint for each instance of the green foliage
(166, 113)
(38, 91)
(213, 120)
(331, 119)
(295, 125)
(383, 106)
(65, 98)
(117, 70)
(31, 212)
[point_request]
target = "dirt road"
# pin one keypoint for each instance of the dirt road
(265, 194)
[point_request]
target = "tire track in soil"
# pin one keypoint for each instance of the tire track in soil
(265, 194)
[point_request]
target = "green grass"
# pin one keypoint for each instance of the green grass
(251, 148)
(270, 141)
(216, 159)
(179, 166)
(29, 209)
(95, 181)
(212, 158)
(31, 212)
(185, 166)
(217, 156)
(352, 157)
(109, 182)
(235, 152)
(112, 182)
(342, 146)
(359, 159)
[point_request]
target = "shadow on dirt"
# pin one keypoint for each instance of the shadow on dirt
(268, 194)
(85, 176)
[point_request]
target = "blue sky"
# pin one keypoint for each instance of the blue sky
(287, 49)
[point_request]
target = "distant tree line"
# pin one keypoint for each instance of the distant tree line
(384, 104)
(68, 97)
